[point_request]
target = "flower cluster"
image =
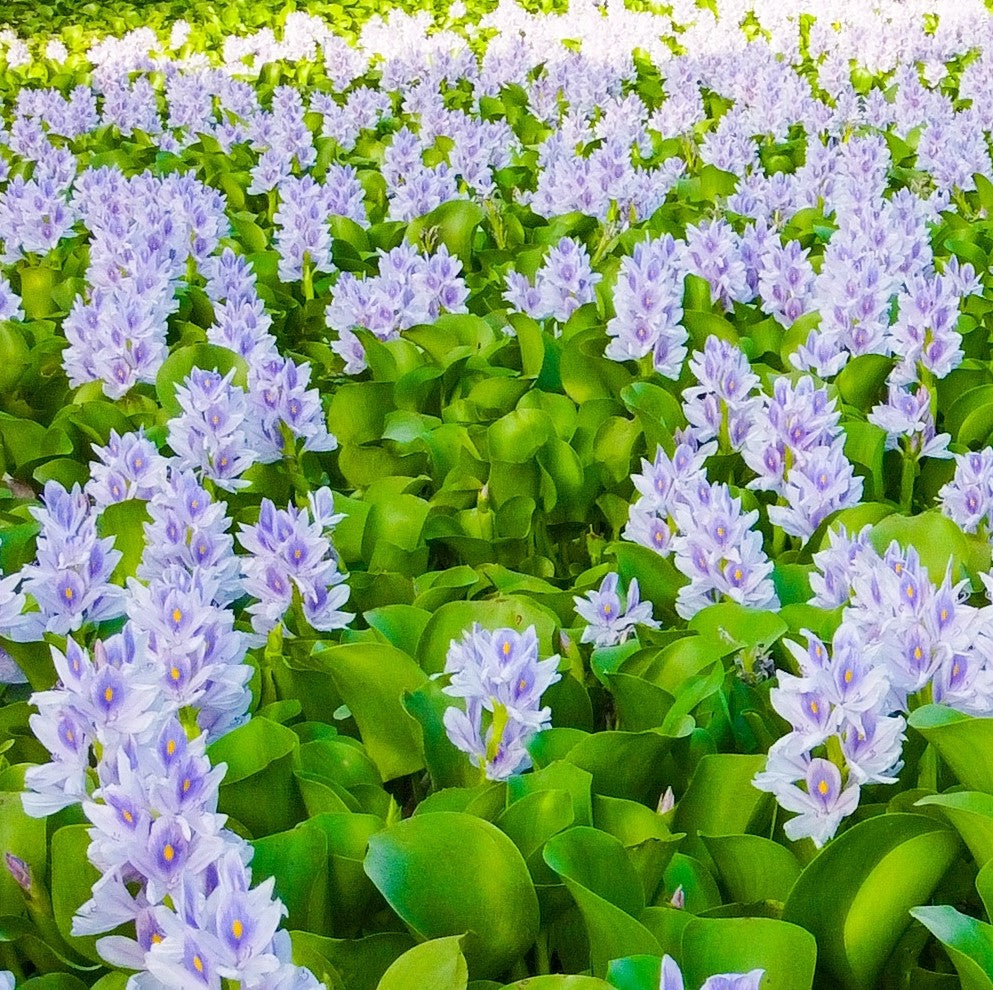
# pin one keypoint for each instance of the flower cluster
(679, 511)
(410, 289)
(608, 622)
(563, 283)
(168, 864)
(648, 306)
(209, 435)
(502, 680)
(902, 640)
(70, 580)
(796, 447)
(291, 557)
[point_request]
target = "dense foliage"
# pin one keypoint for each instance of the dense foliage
(496, 497)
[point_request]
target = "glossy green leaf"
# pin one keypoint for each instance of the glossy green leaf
(958, 738)
(450, 874)
(372, 679)
(258, 789)
(786, 952)
(605, 886)
(298, 859)
(970, 813)
(438, 964)
(968, 942)
(752, 868)
(72, 879)
(856, 895)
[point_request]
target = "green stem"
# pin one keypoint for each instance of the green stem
(292, 461)
(543, 959)
(308, 277)
(836, 756)
(519, 971)
(907, 478)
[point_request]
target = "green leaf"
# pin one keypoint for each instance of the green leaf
(721, 799)
(535, 818)
(298, 859)
(855, 896)
(449, 874)
(968, 942)
(958, 738)
(787, 953)
(752, 868)
(635, 973)
(71, 884)
(862, 381)
(349, 964)
(625, 764)
(971, 814)
(372, 679)
(258, 789)
(125, 521)
(518, 436)
(607, 890)
(22, 836)
(455, 223)
(736, 625)
(438, 964)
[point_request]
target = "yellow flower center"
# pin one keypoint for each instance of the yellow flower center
(168, 853)
(823, 787)
(237, 928)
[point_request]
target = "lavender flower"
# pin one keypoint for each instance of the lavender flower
(70, 581)
(129, 467)
(648, 301)
(498, 673)
(209, 436)
(609, 622)
(292, 558)
(563, 284)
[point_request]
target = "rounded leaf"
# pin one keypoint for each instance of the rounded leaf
(450, 873)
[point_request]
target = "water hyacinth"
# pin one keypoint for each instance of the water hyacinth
(742, 251)
(609, 622)
(502, 680)
(291, 558)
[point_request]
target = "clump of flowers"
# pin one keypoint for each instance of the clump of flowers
(610, 622)
(502, 680)
(565, 282)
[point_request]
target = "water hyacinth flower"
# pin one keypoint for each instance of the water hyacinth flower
(70, 580)
(129, 467)
(209, 435)
(292, 557)
(722, 405)
(821, 805)
(968, 498)
(502, 680)
(563, 283)
(648, 303)
(608, 621)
